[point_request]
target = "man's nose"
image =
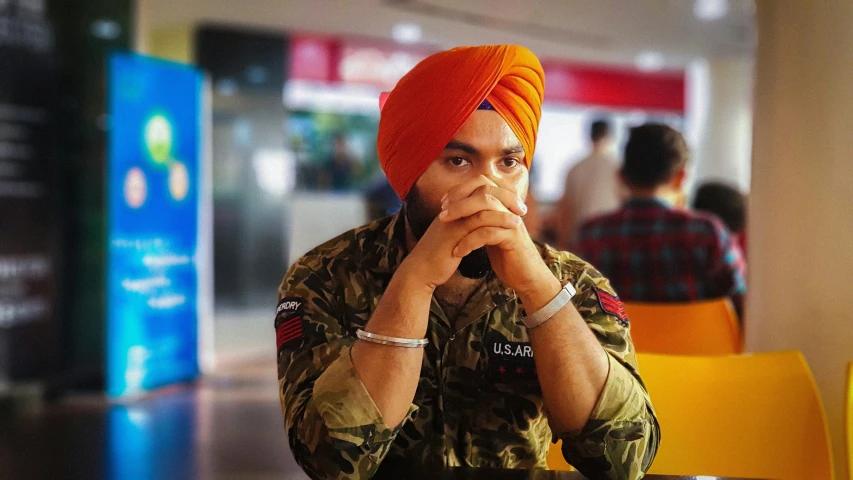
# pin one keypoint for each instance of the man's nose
(494, 175)
(491, 172)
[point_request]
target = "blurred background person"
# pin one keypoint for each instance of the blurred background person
(727, 203)
(591, 187)
(341, 163)
(653, 251)
(381, 198)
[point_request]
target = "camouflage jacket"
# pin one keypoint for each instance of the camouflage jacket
(478, 402)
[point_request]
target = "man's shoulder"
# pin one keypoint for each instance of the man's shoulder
(597, 161)
(592, 287)
(565, 265)
(699, 222)
(580, 167)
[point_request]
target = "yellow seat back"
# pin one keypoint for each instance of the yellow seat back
(848, 419)
(707, 327)
(555, 458)
(757, 416)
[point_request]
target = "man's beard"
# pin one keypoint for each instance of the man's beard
(474, 265)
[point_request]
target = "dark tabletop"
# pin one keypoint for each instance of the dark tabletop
(498, 474)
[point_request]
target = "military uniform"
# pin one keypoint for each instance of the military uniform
(478, 402)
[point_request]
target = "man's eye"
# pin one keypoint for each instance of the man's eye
(510, 162)
(457, 161)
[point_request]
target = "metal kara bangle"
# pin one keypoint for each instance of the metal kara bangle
(545, 313)
(394, 341)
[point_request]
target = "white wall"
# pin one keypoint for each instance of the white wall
(719, 120)
(317, 217)
(801, 208)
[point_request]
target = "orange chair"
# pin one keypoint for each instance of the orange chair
(848, 419)
(695, 328)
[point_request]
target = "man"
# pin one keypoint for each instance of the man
(651, 251)
(442, 335)
(341, 164)
(591, 188)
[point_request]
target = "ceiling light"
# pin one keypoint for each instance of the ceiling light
(406, 33)
(710, 10)
(649, 61)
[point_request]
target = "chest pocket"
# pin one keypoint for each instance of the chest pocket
(509, 417)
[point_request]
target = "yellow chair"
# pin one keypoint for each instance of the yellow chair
(555, 458)
(696, 328)
(757, 416)
(848, 419)
(754, 416)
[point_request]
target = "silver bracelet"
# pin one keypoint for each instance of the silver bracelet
(555, 305)
(393, 341)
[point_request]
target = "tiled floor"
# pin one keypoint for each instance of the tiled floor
(226, 426)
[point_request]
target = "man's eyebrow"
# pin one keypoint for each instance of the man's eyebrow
(470, 149)
(513, 149)
(465, 147)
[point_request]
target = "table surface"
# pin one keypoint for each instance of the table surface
(460, 473)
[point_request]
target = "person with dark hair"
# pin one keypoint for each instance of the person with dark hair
(599, 130)
(727, 203)
(653, 251)
(443, 335)
(591, 187)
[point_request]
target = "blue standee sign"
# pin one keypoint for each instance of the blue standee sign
(154, 174)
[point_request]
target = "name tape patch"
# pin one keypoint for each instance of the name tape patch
(288, 321)
(290, 304)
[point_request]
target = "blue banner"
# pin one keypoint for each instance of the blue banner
(154, 171)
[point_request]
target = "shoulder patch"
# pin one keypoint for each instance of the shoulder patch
(288, 321)
(612, 306)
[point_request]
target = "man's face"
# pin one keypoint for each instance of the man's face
(485, 145)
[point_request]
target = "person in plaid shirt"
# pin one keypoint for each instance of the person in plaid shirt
(652, 251)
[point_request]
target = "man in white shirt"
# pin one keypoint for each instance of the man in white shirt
(591, 188)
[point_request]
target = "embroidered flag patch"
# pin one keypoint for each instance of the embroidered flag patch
(612, 306)
(288, 321)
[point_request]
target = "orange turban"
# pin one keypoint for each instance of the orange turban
(432, 102)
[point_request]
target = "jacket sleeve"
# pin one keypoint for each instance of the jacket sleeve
(334, 427)
(728, 267)
(621, 437)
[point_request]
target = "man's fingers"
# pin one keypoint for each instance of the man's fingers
(465, 189)
(489, 218)
(470, 206)
(482, 237)
(488, 223)
(484, 197)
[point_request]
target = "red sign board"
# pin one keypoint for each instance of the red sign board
(376, 65)
(614, 87)
(382, 65)
(314, 58)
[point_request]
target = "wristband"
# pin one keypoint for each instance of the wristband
(545, 313)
